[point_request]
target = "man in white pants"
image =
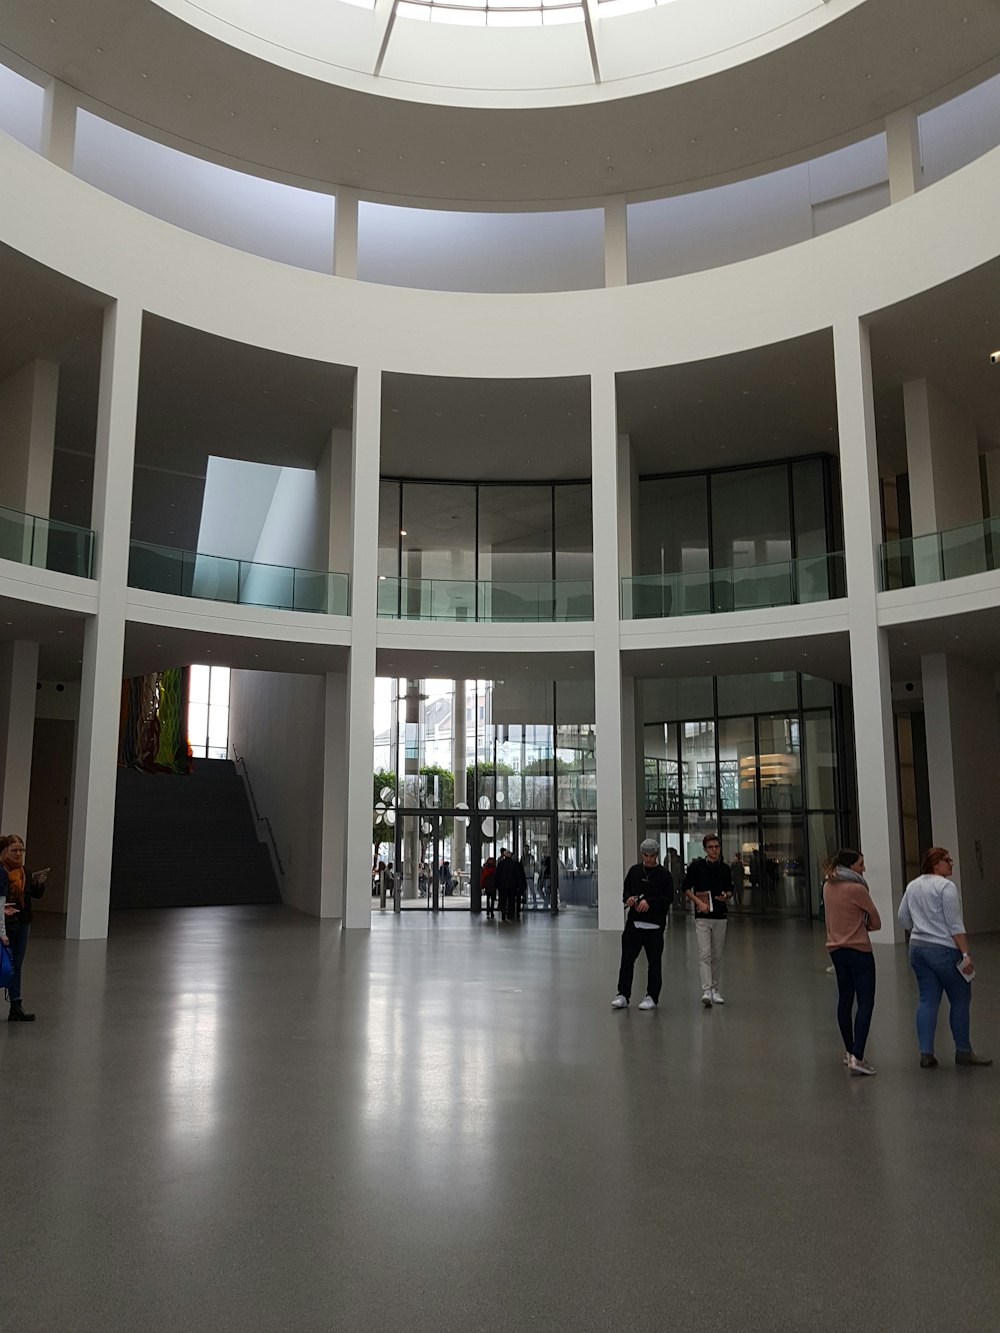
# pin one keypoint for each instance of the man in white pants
(709, 885)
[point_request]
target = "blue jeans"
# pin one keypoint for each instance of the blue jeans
(935, 968)
(18, 936)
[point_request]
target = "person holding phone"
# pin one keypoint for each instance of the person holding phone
(18, 886)
(931, 913)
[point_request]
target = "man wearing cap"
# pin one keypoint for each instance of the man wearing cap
(647, 895)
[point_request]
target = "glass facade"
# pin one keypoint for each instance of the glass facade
(485, 551)
(528, 783)
(732, 518)
(758, 759)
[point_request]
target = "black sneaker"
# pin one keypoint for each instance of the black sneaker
(971, 1058)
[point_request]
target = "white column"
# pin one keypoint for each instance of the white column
(94, 781)
(902, 134)
(361, 671)
(459, 766)
(615, 242)
(59, 125)
(942, 458)
(875, 751)
(345, 234)
(613, 855)
(28, 400)
(18, 679)
(963, 740)
(633, 785)
(335, 778)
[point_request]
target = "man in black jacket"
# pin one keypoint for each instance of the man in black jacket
(647, 894)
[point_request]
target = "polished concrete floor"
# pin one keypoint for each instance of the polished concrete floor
(241, 1119)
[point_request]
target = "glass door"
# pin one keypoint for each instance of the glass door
(530, 839)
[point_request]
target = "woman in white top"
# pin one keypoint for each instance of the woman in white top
(931, 911)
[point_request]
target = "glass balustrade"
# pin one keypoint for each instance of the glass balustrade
(712, 591)
(936, 557)
(244, 582)
(46, 543)
(496, 601)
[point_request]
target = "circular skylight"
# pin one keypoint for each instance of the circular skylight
(507, 13)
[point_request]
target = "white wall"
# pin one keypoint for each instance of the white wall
(295, 527)
(261, 512)
(237, 499)
(22, 105)
(276, 725)
(263, 217)
(480, 252)
(692, 232)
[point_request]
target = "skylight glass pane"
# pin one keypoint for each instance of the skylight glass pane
(469, 18)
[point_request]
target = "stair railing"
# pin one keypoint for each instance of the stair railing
(261, 819)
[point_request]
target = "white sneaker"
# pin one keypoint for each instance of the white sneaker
(706, 998)
(647, 1003)
(716, 997)
(619, 1002)
(857, 1066)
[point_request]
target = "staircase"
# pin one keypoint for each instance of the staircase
(188, 841)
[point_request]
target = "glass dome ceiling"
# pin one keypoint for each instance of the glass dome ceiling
(507, 13)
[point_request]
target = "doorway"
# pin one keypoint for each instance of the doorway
(530, 838)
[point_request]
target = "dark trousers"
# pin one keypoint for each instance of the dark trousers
(633, 943)
(855, 971)
(17, 933)
(507, 897)
(491, 898)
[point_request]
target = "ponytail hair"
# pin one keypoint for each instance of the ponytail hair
(845, 858)
(931, 857)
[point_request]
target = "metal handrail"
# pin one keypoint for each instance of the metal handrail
(261, 819)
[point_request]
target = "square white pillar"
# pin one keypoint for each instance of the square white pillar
(942, 458)
(335, 777)
(94, 785)
(345, 234)
(18, 681)
(615, 242)
(28, 400)
(874, 740)
(613, 855)
(962, 723)
(59, 125)
(361, 670)
(902, 135)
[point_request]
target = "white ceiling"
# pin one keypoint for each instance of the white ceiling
(132, 62)
(945, 335)
(485, 430)
(772, 402)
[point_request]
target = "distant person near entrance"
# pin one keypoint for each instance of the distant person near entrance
(709, 885)
(507, 882)
(647, 895)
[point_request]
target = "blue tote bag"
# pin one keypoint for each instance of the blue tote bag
(6, 967)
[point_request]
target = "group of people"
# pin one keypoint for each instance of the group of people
(18, 887)
(504, 883)
(648, 893)
(930, 913)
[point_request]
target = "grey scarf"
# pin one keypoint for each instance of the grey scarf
(845, 872)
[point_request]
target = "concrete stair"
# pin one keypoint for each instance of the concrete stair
(188, 841)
